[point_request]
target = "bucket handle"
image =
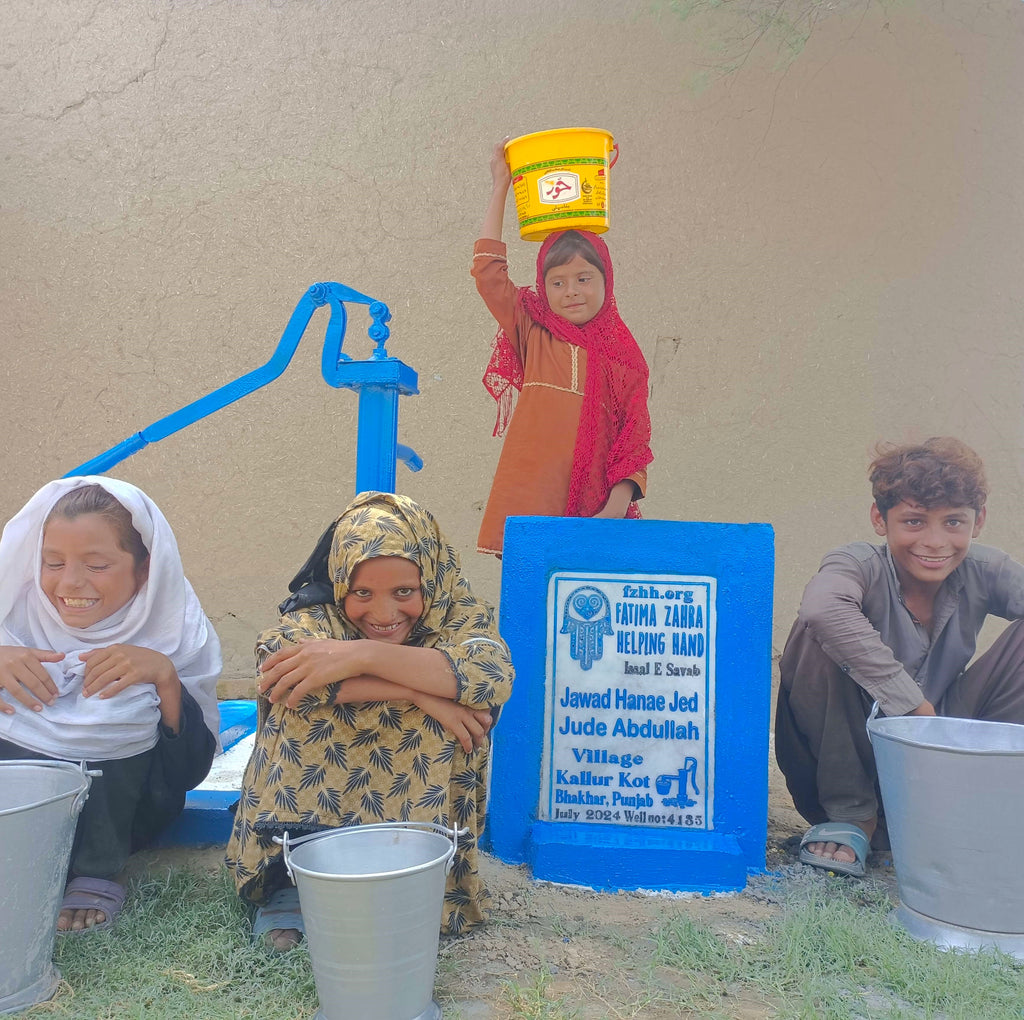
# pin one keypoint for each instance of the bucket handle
(83, 795)
(57, 763)
(615, 155)
(872, 716)
(287, 843)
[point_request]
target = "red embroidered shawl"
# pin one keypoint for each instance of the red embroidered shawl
(614, 433)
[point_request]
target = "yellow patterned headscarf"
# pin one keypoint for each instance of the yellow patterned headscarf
(383, 524)
(454, 620)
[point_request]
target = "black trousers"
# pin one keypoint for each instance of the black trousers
(105, 833)
(136, 798)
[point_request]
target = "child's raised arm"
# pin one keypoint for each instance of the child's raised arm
(501, 178)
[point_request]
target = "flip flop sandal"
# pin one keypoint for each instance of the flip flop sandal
(281, 911)
(843, 833)
(84, 893)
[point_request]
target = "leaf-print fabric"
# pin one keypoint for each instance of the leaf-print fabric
(324, 765)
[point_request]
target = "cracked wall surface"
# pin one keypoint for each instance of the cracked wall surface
(814, 254)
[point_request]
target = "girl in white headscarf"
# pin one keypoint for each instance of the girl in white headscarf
(106, 656)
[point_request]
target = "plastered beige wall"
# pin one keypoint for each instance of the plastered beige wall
(813, 254)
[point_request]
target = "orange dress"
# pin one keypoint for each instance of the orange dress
(532, 477)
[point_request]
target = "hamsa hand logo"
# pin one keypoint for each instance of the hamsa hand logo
(587, 619)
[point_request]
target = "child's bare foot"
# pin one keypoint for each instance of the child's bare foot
(79, 920)
(279, 921)
(282, 940)
(838, 851)
(90, 903)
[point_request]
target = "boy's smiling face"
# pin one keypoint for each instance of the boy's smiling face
(927, 545)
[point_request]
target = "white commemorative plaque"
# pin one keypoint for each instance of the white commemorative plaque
(629, 700)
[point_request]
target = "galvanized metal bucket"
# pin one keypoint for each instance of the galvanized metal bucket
(39, 804)
(953, 791)
(371, 899)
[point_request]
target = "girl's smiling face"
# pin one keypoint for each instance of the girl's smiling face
(575, 291)
(85, 573)
(384, 600)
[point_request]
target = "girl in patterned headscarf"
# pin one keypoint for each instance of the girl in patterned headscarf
(375, 704)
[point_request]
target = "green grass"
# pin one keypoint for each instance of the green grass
(832, 955)
(825, 951)
(181, 949)
(532, 999)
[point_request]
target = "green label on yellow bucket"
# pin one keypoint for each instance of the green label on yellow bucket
(568, 161)
(555, 217)
(554, 191)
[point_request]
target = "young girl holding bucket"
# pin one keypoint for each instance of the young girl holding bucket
(375, 696)
(578, 444)
(106, 657)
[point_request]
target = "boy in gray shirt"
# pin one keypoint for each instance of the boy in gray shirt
(897, 624)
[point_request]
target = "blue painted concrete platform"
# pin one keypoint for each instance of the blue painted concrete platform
(207, 816)
(633, 753)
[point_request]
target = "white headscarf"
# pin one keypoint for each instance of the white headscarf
(164, 615)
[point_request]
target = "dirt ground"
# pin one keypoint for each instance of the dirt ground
(596, 947)
(557, 951)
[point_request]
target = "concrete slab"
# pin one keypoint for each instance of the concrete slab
(207, 816)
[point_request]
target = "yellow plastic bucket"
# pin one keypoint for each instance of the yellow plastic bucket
(560, 180)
